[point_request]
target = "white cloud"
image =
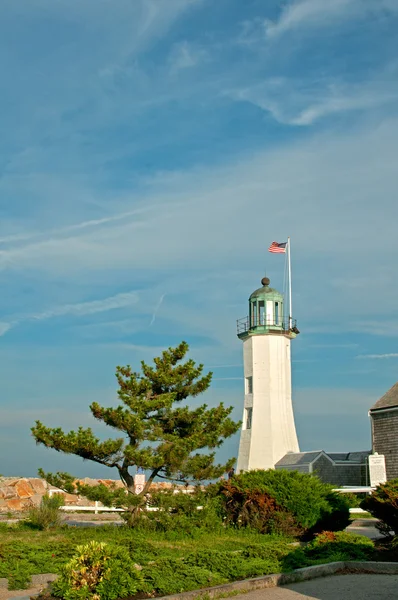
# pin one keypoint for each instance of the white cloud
(186, 56)
(295, 102)
(90, 308)
(306, 185)
(305, 14)
(378, 356)
(78, 310)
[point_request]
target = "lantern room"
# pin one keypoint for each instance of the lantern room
(266, 312)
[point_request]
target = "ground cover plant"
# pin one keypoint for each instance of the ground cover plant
(167, 562)
(330, 546)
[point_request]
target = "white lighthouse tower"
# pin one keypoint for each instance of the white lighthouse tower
(268, 429)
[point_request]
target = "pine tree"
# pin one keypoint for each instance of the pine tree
(162, 434)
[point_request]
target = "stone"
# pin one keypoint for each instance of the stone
(36, 499)
(70, 498)
(43, 579)
(16, 504)
(7, 492)
(39, 486)
(24, 489)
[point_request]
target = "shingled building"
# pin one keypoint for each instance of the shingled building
(384, 422)
(337, 468)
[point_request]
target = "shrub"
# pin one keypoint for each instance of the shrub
(283, 501)
(98, 571)
(47, 514)
(336, 517)
(179, 512)
(257, 509)
(383, 504)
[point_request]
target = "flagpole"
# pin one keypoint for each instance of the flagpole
(290, 284)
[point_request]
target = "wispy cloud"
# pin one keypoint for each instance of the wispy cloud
(186, 56)
(304, 14)
(157, 307)
(31, 235)
(295, 102)
(378, 356)
(78, 310)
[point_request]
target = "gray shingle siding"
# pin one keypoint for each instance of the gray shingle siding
(385, 439)
(299, 468)
(337, 468)
(339, 475)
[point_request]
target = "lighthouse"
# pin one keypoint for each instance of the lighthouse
(268, 429)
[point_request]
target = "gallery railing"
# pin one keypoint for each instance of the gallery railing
(264, 323)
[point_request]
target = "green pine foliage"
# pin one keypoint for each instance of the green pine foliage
(383, 504)
(160, 432)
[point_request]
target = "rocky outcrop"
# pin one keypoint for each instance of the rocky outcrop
(19, 494)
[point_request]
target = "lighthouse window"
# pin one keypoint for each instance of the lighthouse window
(248, 420)
(261, 312)
(249, 385)
(253, 314)
(276, 313)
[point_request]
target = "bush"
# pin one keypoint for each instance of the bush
(383, 504)
(47, 514)
(256, 509)
(283, 501)
(337, 517)
(98, 571)
(179, 512)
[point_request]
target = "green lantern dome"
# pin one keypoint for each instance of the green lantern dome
(266, 292)
(266, 314)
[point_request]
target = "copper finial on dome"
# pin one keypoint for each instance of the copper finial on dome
(265, 281)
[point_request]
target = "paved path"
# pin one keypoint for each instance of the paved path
(365, 527)
(337, 587)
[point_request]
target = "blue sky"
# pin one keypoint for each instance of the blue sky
(150, 152)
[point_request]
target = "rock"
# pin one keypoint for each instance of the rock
(71, 498)
(43, 579)
(39, 486)
(16, 504)
(24, 489)
(7, 492)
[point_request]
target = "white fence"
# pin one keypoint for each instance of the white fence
(99, 508)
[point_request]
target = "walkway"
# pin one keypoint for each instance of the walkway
(338, 587)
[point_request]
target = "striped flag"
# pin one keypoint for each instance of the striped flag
(278, 248)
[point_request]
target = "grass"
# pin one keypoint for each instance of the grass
(172, 562)
(25, 552)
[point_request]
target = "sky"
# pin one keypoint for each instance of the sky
(150, 152)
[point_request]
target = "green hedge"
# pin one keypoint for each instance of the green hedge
(257, 498)
(383, 504)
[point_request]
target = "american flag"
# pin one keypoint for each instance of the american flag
(278, 248)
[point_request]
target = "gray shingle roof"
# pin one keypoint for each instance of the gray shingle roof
(338, 455)
(306, 458)
(352, 457)
(389, 400)
(298, 458)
